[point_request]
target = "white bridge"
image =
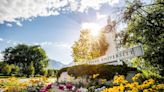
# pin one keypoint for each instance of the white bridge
(115, 57)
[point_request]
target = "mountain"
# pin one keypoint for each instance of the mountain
(53, 64)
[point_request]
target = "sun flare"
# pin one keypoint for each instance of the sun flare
(94, 28)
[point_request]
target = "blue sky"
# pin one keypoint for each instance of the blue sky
(54, 34)
(55, 28)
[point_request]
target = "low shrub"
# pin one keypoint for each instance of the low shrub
(104, 71)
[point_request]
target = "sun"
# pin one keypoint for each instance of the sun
(94, 33)
(94, 28)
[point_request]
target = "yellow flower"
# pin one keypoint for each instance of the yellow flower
(136, 77)
(119, 79)
(103, 81)
(122, 87)
(95, 75)
(158, 87)
(134, 89)
(132, 85)
(145, 90)
(149, 90)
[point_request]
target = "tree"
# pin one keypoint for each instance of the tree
(23, 55)
(44, 72)
(14, 69)
(89, 47)
(145, 25)
(31, 70)
(6, 69)
(50, 72)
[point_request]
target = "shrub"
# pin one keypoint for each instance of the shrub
(104, 71)
(6, 69)
(31, 70)
(50, 73)
(43, 72)
(14, 69)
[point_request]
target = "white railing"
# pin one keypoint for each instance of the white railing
(120, 55)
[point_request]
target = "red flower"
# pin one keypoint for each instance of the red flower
(49, 86)
(69, 86)
(61, 87)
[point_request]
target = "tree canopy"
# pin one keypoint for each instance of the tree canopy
(89, 47)
(145, 25)
(26, 56)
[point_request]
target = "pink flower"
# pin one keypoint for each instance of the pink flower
(78, 90)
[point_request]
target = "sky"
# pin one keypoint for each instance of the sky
(53, 24)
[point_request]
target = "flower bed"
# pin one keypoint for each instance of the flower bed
(14, 84)
(122, 85)
(117, 84)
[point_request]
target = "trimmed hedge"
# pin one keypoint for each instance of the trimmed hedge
(60, 71)
(104, 71)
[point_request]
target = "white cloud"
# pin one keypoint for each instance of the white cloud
(9, 25)
(8, 41)
(45, 43)
(55, 44)
(19, 10)
(19, 24)
(74, 5)
(100, 16)
(95, 4)
(11, 10)
(112, 2)
(62, 44)
(1, 39)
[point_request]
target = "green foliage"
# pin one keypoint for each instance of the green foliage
(44, 72)
(23, 55)
(31, 70)
(145, 26)
(104, 71)
(50, 72)
(89, 47)
(6, 69)
(14, 69)
(147, 69)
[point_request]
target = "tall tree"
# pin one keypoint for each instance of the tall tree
(23, 55)
(145, 25)
(89, 47)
